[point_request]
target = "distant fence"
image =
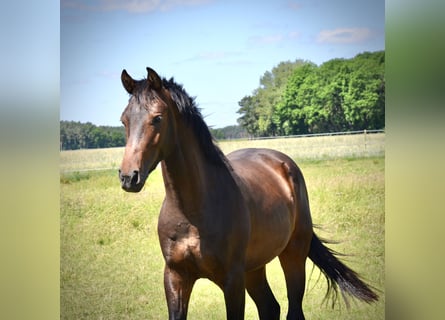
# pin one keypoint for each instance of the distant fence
(329, 134)
(365, 143)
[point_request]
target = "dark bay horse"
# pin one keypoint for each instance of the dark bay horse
(223, 218)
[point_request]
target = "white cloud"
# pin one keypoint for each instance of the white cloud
(268, 39)
(344, 35)
(171, 4)
(294, 5)
(214, 56)
(133, 6)
(294, 35)
(130, 5)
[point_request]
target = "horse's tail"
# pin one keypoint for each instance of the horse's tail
(338, 274)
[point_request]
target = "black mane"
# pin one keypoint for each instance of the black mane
(192, 115)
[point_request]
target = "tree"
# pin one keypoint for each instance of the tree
(229, 132)
(301, 97)
(365, 96)
(257, 111)
(290, 114)
(76, 135)
(332, 82)
(249, 118)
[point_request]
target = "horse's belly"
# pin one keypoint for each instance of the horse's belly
(270, 235)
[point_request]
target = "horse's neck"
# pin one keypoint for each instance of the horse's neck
(187, 175)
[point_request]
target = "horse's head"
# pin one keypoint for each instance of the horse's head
(149, 126)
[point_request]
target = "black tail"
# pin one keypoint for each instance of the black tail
(338, 274)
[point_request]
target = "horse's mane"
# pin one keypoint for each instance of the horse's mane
(192, 116)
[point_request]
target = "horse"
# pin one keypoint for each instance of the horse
(223, 217)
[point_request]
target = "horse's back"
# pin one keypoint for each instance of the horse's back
(268, 170)
(266, 178)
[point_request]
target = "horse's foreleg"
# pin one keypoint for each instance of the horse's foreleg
(178, 288)
(234, 294)
(259, 290)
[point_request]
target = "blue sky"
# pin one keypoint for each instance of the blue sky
(217, 49)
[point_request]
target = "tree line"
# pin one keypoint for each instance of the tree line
(77, 135)
(229, 133)
(300, 97)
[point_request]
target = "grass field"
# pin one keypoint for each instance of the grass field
(112, 267)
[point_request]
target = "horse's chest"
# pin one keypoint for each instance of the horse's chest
(181, 244)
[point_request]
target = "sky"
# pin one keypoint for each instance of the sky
(218, 50)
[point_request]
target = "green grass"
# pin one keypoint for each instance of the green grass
(112, 267)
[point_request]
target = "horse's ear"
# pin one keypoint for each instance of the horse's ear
(154, 81)
(128, 82)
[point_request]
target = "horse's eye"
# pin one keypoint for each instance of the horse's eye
(156, 120)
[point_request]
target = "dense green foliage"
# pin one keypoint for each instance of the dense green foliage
(258, 109)
(300, 97)
(77, 135)
(229, 132)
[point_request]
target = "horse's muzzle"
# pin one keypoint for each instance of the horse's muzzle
(131, 182)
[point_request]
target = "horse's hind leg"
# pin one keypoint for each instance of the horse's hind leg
(260, 292)
(293, 262)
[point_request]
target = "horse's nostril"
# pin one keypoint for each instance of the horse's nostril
(135, 177)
